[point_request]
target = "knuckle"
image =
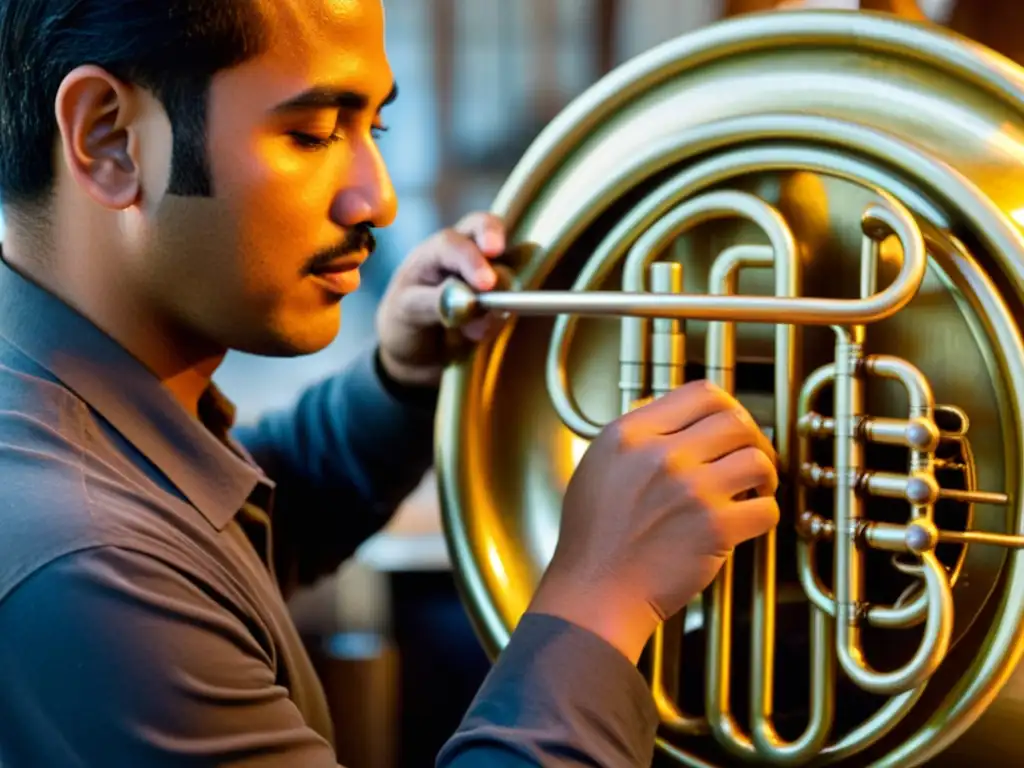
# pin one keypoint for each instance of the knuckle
(459, 245)
(718, 536)
(669, 463)
(479, 222)
(703, 387)
(492, 220)
(713, 396)
(447, 238)
(762, 467)
(728, 422)
(744, 418)
(688, 486)
(620, 434)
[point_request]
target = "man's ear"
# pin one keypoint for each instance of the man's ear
(96, 116)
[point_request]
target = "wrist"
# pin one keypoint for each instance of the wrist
(407, 376)
(402, 387)
(608, 611)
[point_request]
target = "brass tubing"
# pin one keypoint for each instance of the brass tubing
(918, 488)
(817, 528)
(678, 221)
(655, 240)
(460, 304)
(764, 742)
(958, 193)
(720, 363)
(718, 662)
(721, 337)
(918, 433)
(892, 617)
(668, 339)
(672, 717)
(848, 577)
(767, 740)
(891, 485)
(816, 592)
(922, 407)
(870, 247)
(1008, 540)
(975, 497)
(668, 358)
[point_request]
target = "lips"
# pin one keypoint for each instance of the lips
(340, 276)
(346, 264)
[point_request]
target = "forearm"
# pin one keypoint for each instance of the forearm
(558, 695)
(343, 459)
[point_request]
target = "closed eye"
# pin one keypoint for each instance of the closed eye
(308, 141)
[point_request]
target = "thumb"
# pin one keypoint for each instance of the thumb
(420, 305)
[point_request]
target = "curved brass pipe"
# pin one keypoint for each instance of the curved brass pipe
(663, 304)
(566, 190)
(848, 571)
(460, 304)
(764, 740)
(685, 217)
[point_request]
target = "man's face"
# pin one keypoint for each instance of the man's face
(297, 182)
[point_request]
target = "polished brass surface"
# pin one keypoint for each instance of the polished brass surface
(820, 212)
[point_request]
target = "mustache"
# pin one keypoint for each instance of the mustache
(358, 238)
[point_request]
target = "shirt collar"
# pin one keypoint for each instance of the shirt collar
(213, 477)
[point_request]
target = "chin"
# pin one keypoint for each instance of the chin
(294, 338)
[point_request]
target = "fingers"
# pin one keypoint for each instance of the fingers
(464, 251)
(419, 307)
(453, 253)
(748, 519)
(419, 304)
(716, 436)
(486, 230)
(683, 408)
(747, 469)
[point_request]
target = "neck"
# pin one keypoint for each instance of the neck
(97, 289)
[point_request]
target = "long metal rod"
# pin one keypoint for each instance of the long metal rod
(460, 304)
(816, 528)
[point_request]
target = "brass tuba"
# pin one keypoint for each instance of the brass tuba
(821, 212)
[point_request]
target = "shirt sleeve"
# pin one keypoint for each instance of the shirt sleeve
(343, 459)
(111, 657)
(558, 695)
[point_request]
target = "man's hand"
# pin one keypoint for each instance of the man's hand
(413, 342)
(658, 502)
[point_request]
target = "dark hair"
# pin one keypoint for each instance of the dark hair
(173, 48)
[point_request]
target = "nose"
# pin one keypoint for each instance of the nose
(367, 195)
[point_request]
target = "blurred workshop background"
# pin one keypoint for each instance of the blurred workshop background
(478, 80)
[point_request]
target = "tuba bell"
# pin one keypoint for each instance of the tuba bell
(823, 213)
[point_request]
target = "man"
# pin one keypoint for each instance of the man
(181, 178)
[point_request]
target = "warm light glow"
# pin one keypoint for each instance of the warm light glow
(577, 447)
(497, 566)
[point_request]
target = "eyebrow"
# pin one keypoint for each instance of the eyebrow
(327, 97)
